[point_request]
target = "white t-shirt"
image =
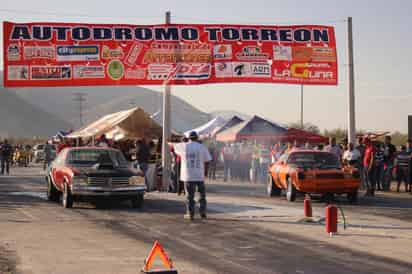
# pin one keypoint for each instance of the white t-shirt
(351, 155)
(193, 157)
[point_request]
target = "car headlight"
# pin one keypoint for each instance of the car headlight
(137, 180)
(79, 180)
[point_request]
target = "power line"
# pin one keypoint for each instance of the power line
(80, 97)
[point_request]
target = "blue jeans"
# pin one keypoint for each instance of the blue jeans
(190, 192)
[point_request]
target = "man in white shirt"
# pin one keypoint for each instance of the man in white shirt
(194, 164)
(351, 156)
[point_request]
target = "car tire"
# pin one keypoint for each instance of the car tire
(53, 194)
(137, 201)
(272, 189)
(290, 191)
(352, 197)
(67, 199)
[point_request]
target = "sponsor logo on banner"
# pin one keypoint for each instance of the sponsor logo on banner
(241, 69)
(252, 53)
(137, 73)
(224, 69)
(260, 70)
(159, 71)
(133, 54)
(85, 72)
(77, 53)
(50, 72)
(282, 53)
(305, 71)
(115, 69)
(18, 73)
(222, 52)
(164, 53)
(108, 53)
(41, 52)
(302, 54)
(324, 54)
(193, 71)
(246, 69)
(13, 52)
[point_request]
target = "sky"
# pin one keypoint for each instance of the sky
(383, 82)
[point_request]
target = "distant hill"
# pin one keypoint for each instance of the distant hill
(58, 102)
(21, 119)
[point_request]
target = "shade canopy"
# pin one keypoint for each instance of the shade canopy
(208, 129)
(235, 120)
(254, 129)
(131, 123)
(303, 136)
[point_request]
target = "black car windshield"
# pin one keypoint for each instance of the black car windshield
(313, 160)
(91, 157)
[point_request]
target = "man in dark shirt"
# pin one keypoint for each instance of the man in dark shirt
(402, 168)
(388, 159)
(6, 152)
(142, 155)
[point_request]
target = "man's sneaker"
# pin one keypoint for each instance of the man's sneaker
(189, 217)
(203, 216)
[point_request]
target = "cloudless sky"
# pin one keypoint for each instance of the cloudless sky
(382, 40)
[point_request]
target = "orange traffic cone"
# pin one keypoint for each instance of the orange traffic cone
(307, 206)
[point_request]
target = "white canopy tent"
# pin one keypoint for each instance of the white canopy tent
(131, 123)
(208, 129)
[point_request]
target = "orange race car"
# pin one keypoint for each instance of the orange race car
(309, 171)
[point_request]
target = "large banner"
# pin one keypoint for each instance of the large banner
(62, 54)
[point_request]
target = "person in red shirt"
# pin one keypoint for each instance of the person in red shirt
(368, 167)
(64, 143)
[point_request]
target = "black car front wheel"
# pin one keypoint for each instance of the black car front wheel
(352, 197)
(137, 201)
(67, 199)
(52, 193)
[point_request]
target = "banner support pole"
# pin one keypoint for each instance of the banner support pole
(351, 77)
(166, 128)
(301, 106)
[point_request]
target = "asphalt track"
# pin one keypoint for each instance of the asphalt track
(216, 245)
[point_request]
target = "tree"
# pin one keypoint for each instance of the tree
(306, 126)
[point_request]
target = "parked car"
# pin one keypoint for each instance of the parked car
(312, 172)
(93, 172)
(38, 153)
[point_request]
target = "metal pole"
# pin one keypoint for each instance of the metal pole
(301, 106)
(351, 77)
(166, 128)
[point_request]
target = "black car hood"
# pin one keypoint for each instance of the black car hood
(116, 172)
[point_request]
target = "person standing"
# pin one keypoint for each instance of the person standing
(194, 164)
(48, 150)
(227, 153)
(402, 168)
(142, 155)
(334, 148)
(351, 156)
(368, 167)
(379, 166)
(389, 155)
(6, 152)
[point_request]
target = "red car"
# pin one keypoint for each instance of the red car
(92, 172)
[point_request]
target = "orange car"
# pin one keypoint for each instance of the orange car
(309, 171)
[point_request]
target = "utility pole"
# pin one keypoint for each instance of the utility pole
(351, 77)
(301, 106)
(80, 97)
(166, 128)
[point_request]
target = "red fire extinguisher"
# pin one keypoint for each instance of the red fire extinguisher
(331, 219)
